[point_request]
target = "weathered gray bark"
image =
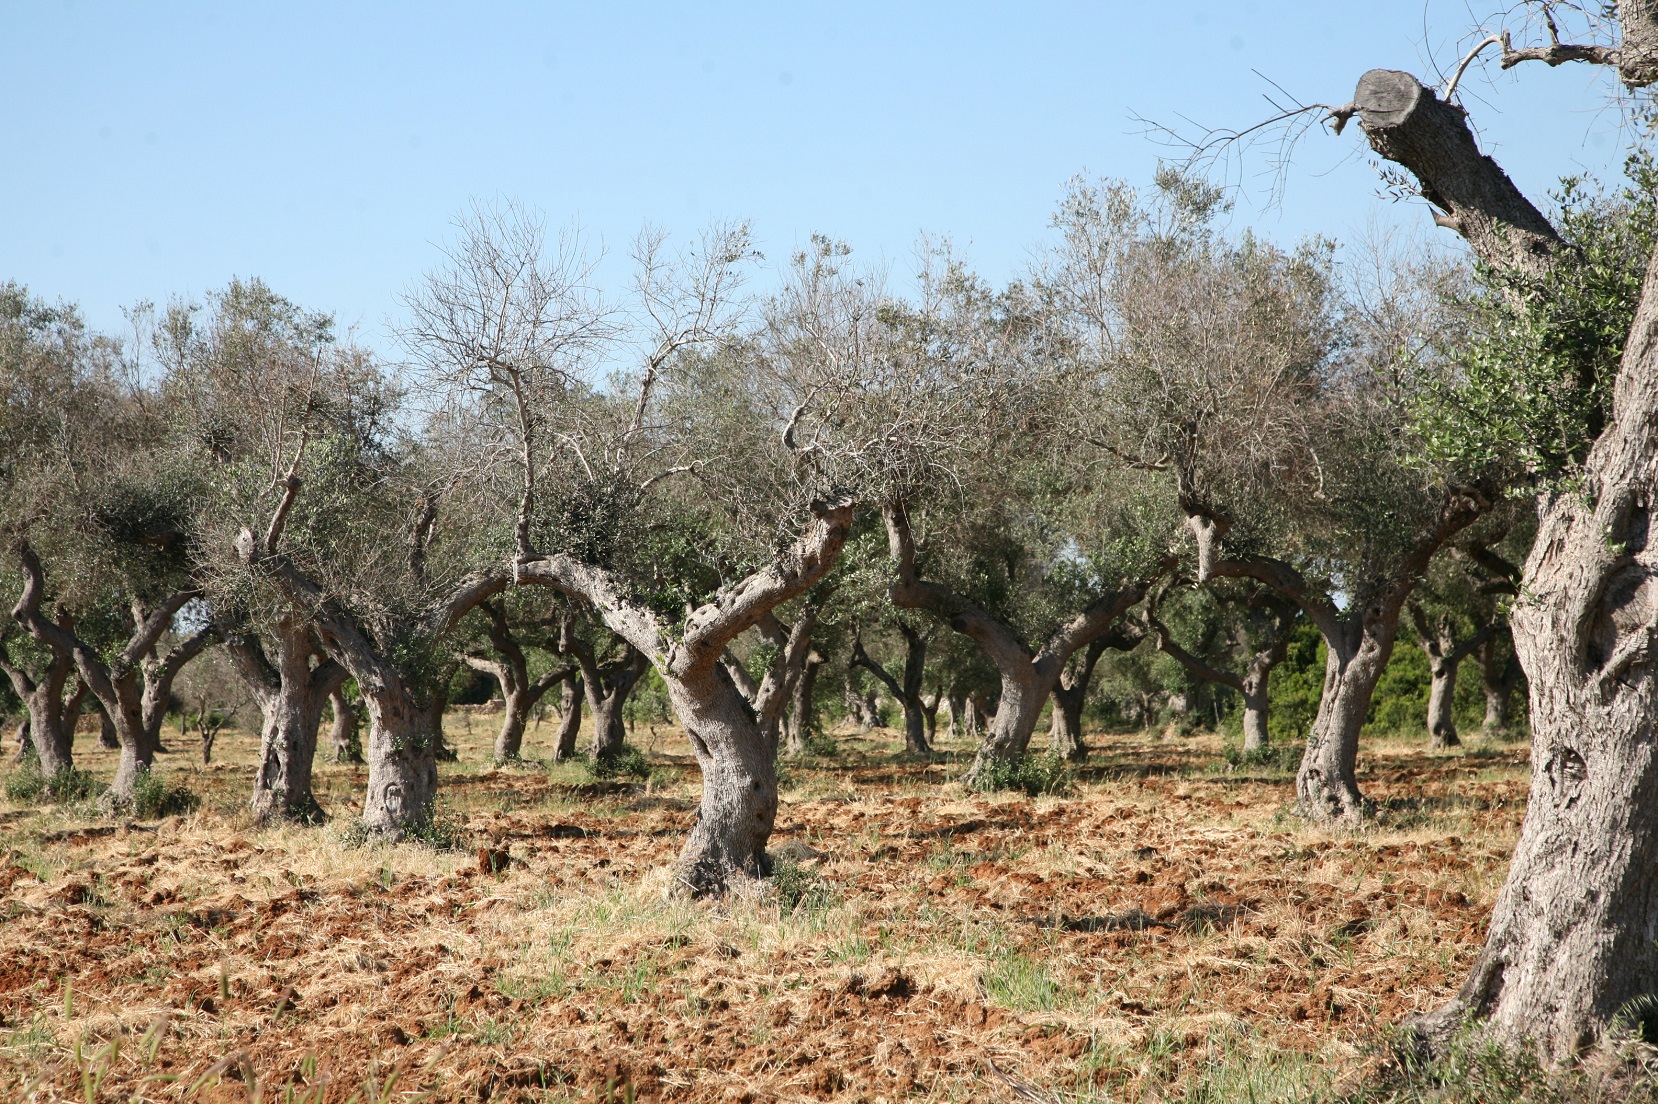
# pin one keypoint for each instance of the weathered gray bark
(1358, 640)
(405, 735)
(135, 685)
(1274, 617)
(801, 718)
(1070, 694)
(290, 694)
(1445, 655)
(929, 710)
(1571, 943)
(1027, 676)
(569, 718)
(1571, 940)
(738, 763)
(48, 726)
(607, 690)
(510, 668)
(906, 692)
(342, 731)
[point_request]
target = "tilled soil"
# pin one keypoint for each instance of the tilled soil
(1165, 916)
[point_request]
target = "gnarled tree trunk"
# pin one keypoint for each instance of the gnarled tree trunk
(342, 732)
(1571, 941)
(48, 728)
(569, 718)
(906, 692)
(290, 694)
(738, 762)
(1027, 676)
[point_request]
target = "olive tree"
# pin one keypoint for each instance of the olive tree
(1570, 942)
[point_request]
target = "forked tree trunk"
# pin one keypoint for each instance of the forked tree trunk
(606, 699)
(1070, 695)
(510, 668)
(1027, 676)
(342, 732)
(929, 710)
(290, 694)
(1442, 688)
(906, 692)
(1571, 943)
(739, 783)
(738, 762)
(797, 727)
(569, 719)
(1255, 692)
(134, 686)
(403, 739)
(48, 726)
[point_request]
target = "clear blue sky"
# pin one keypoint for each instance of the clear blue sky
(150, 150)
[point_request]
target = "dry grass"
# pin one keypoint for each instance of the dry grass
(1166, 931)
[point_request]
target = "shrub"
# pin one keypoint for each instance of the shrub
(152, 797)
(627, 762)
(1031, 774)
(1278, 758)
(799, 888)
(28, 785)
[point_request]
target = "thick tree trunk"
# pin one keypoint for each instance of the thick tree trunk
(1571, 942)
(738, 762)
(1499, 679)
(607, 693)
(342, 732)
(739, 784)
(403, 739)
(1254, 693)
(1070, 694)
(515, 720)
(929, 710)
(797, 729)
(48, 726)
(1442, 688)
(569, 719)
(1326, 786)
(290, 694)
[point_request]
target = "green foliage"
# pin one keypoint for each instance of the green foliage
(1534, 386)
(444, 830)
(626, 762)
(1033, 775)
(800, 888)
(28, 785)
(152, 797)
(1296, 686)
(1274, 758)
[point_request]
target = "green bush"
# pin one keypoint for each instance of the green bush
(800, 888)
(27, 785)
(1030, 774)
(627, 762)
(1285, 758)
(153, 798)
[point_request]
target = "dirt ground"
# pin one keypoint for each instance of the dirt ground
(1166, 930)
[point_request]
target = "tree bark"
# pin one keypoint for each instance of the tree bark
(906, 692)
(1027, 676)
(135, 686)
(738, 763)
(607, 693)
(1570, 942)
(511, 670)
(405, 735)
(290, 694)
(48, 727)
(797, 727)
(1070, 694)
(569, 719)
